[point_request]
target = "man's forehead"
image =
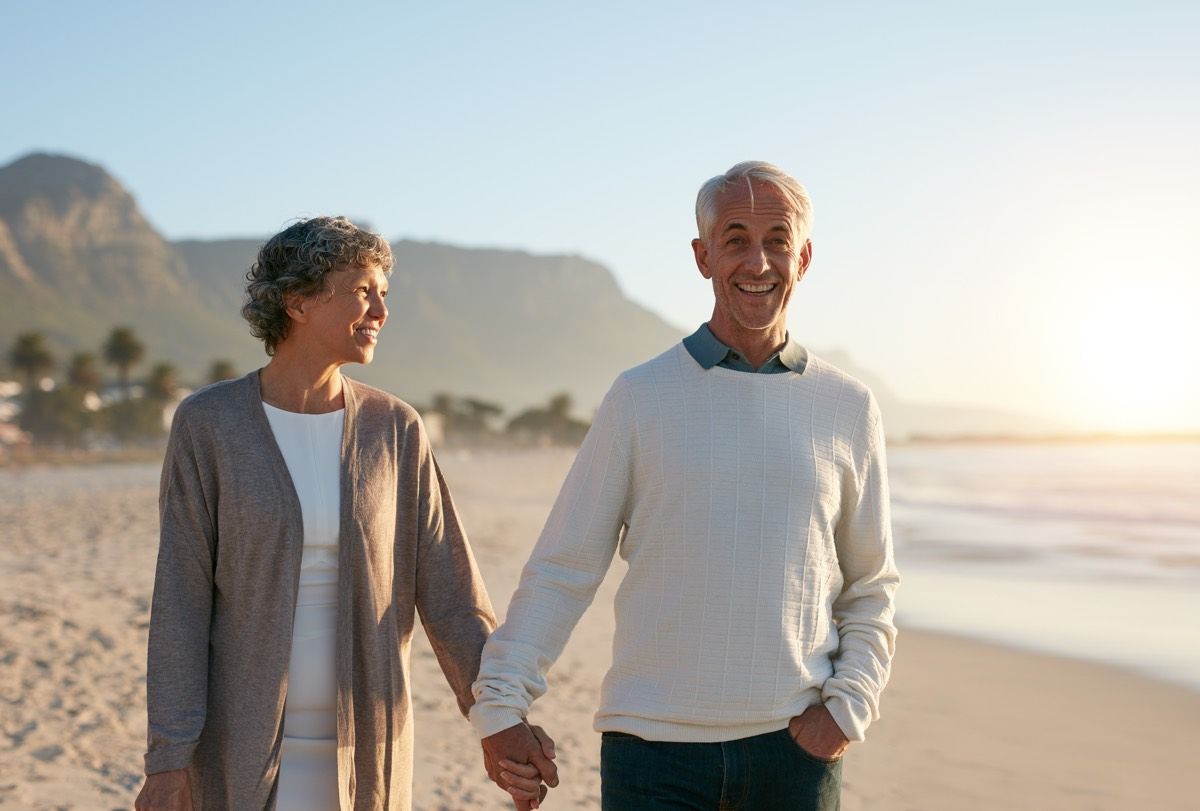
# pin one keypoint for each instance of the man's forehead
(754, 198)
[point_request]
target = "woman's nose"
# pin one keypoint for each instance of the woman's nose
(378, 307)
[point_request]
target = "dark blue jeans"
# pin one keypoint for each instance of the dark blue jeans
(763, 773)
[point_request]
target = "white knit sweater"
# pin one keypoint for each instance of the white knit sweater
(753, 512)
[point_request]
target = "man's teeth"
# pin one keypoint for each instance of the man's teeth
(368, 331)
(755, 288)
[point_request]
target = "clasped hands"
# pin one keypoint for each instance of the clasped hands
(517, 760)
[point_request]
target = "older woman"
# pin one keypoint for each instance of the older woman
(303, 519)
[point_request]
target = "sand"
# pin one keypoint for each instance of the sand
(966, 725)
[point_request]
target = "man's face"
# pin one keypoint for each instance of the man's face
(754, 258)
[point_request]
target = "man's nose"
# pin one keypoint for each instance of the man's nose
(756, 261)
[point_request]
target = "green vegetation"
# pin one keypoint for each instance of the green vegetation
(76, 413)
(123, 350)
(221, 369)
(31, 357)
(473, 422)
(80, 414)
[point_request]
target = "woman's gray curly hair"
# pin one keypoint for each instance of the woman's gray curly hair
(295, 263)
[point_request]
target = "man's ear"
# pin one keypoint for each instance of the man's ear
(805, 259)
(700, 250)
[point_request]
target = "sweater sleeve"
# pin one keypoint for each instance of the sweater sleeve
(181, 609)
(864, 609)
(560, 580)
(451, 597)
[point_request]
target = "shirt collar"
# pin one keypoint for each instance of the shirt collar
(708, 351)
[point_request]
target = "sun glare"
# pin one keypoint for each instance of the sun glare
(1136, 367)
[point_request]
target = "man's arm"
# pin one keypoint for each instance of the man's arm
(558, 583)
(864, 609)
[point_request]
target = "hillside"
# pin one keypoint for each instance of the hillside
(77, 257)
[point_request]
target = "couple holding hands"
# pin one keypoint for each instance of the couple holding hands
(305, 525)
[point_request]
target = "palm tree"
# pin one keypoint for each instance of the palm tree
(559, 406)
(123, 350)
(161, 384)
(82, 373)
(443, 404)
(221, 369)
(31, 356)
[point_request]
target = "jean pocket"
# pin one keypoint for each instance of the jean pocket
(809, 756)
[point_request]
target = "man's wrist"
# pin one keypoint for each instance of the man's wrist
(841, 715)
(487, 721)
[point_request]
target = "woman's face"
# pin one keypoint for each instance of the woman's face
(342, 324)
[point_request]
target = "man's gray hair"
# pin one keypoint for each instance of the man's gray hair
(750, 171)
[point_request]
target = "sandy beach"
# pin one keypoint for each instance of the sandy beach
(965, 725)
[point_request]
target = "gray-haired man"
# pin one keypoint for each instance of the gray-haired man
(744, 481)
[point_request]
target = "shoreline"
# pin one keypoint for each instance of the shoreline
(909, 629)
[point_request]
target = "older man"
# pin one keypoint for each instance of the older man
(744, 481)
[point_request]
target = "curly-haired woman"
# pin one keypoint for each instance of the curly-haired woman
(304, 521)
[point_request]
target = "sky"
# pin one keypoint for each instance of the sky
(1005, 195)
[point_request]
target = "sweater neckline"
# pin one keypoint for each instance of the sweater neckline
(777, 378)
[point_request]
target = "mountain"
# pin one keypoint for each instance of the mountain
(499, 325)
(78, 257)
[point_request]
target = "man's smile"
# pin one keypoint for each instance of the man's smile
(756, 289)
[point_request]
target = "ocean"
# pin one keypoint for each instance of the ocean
(1087, 550)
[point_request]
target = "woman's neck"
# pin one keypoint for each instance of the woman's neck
(287, 382)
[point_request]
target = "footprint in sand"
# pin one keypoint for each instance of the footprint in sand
(47, 754)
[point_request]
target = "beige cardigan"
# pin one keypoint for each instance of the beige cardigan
(225, 595)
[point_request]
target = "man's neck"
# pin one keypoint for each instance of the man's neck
(756, 346)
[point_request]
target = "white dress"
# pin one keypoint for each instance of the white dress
(311, 446)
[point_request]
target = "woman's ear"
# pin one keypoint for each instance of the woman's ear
(296, 307)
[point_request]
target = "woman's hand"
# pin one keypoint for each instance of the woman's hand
(165, 791)
(517, 760)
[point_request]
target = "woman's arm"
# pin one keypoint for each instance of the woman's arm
(181, 610)
(451, 597)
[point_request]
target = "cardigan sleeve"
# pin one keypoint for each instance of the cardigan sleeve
(451, 597)
(863, 611)
(566, 567)
(181, 609)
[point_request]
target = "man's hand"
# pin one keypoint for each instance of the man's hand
(165, 791)
(517, 759)
(817, 733)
